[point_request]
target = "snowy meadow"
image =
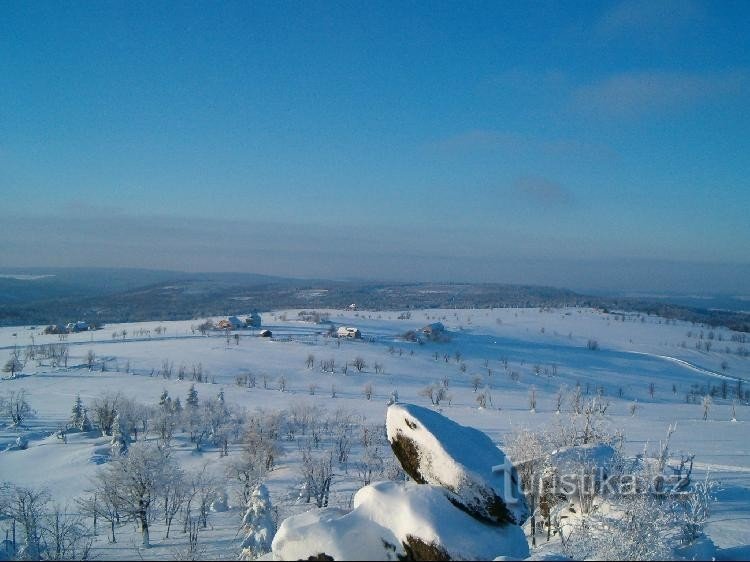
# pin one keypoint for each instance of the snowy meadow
(178, 440)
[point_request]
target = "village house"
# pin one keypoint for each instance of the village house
(434, 331)
(79, 326)
(253, 320)
(348, 332)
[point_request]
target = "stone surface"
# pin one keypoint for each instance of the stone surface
(435, 450)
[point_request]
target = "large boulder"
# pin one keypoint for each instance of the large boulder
(459, 507)
(332, 534)
(392, 521)
(461, 460)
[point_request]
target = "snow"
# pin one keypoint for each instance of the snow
(593, 456)
(390, 512)
(332, 531)
(458, 458)
(632, 353)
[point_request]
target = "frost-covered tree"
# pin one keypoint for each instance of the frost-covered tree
(258, 525)
(77, 412)
(192, 397)
(174, 492)
(102, 503)
(257, 458)
(317, 475)
(636, 527)
(201, 491)
(14, 364)
(104, 411)
(165, 421)
(90, 359)
(79, 416)
(120, 436)
(26, 508)
(138, 479)
(16, 407)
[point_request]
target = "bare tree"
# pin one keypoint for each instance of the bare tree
(317, 475)
(368, 390)
(65, 537)
(17, 408)
(90, 359)
(359, 364)
(14, 364)
(174, 492)
(26, 507)
(102, 503)
(476, 382)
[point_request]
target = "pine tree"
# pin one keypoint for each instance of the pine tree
(164, 400)
(192, 397)
(258, 525)
(77, 412)
(85, 424)
(120, 436)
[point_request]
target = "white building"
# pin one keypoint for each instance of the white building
(348, 332)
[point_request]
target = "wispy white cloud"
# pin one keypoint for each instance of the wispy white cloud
(642, 17)
(474, 140)
(543, 191)
(630, 94)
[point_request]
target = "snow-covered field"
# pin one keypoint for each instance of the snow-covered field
(642, 363)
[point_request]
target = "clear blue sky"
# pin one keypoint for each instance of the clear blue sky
(417, 140)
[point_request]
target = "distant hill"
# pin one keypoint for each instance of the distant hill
(47, 295)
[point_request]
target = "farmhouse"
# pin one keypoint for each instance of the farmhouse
(253, 320)
(79, 326)
(347, 332)
(434, 329)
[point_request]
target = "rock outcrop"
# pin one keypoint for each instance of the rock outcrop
(456, 508)
(463, 461)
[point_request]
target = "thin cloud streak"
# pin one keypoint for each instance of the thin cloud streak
(646, 16)
(633, 94)
(541, 190)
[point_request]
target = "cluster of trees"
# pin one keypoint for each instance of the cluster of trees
(604, 505)
(143, 483)
(40, 528)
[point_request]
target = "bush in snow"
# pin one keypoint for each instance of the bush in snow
(220, 503)
(637, 527)
(258, 525)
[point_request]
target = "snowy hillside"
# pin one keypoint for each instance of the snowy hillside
(304, 412)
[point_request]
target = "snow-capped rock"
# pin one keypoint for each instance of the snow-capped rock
(393, 520)
(436, 450)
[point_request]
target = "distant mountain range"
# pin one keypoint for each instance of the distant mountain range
(100, 295)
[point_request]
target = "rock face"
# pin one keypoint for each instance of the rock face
(457, 508)
(435, 450)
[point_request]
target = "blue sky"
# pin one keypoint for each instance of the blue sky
(424, 139)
